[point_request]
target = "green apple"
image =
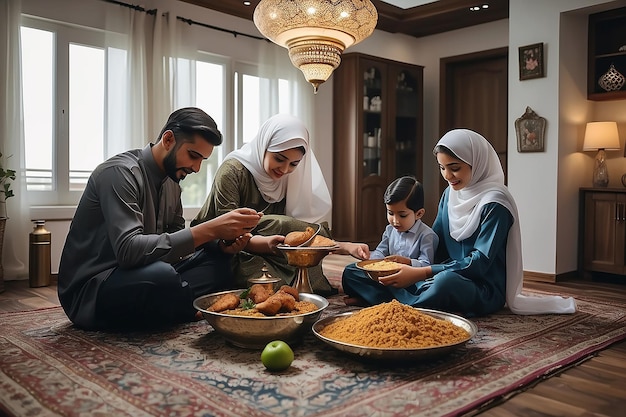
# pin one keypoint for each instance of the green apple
(277, 356)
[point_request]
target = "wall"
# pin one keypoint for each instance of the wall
(544, 184)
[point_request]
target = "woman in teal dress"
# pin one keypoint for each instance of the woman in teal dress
(276, 173)
(479, 257)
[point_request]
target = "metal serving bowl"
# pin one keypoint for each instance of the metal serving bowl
(397, 354)
(256, 332)
(375, 274)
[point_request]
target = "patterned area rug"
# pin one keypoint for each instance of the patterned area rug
(50, 368)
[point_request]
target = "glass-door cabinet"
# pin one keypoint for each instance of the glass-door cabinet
(372, 121)
(407, 122)
(377, 127)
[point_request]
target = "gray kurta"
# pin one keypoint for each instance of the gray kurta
(234, 187)
(129, 215)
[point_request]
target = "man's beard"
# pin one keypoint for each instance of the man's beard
(169, 163)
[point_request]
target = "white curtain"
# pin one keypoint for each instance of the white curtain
(275, 63)
(166, 46)
(128, 123)
(15, 256)
(161, 74)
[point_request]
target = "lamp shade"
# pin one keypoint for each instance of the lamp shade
(601, 135)
(316, 32)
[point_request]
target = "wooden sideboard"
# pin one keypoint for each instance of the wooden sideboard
(602, 241)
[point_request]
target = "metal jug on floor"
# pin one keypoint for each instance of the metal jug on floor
(39, 262)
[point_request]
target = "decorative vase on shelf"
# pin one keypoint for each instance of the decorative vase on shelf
(612, 80)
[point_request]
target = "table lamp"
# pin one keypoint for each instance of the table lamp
(601, 136)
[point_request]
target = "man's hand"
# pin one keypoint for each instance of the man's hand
(229, 226)
(236, 222)
(232, 247)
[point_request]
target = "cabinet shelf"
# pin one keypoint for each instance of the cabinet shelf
(606, 96)
(611, 55)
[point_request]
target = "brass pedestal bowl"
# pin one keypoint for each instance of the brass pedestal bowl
(304, 257)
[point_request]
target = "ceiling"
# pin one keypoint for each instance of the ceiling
(411, 17)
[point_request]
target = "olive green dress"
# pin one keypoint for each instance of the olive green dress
(234, 187)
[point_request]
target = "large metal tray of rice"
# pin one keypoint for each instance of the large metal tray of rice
(395, 331)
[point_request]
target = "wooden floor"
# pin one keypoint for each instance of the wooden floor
(595, 387)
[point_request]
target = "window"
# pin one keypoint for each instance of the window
(73, 107)
(76, 113)
(202, 83)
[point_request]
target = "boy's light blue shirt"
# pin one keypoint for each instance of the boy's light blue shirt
(418, 243)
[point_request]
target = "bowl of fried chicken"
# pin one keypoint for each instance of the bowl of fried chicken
(251, 318)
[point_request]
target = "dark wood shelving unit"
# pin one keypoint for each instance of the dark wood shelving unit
(607, 35)
(377, 125)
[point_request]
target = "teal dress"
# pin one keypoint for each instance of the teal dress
(469, 277)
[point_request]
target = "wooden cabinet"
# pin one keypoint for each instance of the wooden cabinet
(607, 53)
(603, 230)
(377, 137)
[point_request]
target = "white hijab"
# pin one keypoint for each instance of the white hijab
(464, 208)
(308, 198)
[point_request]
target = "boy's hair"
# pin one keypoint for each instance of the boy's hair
(188, 121)
(406, 188)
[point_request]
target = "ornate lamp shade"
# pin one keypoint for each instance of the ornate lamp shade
(316, 32)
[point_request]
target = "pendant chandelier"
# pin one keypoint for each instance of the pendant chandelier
(316, 32)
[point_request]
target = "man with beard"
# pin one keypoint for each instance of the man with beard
(129, 261)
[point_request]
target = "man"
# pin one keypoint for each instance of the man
(129, 261)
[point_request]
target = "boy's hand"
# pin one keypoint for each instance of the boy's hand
(399, 259)
(357, 250)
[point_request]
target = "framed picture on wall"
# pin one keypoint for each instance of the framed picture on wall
(530, 129)
(531, 61)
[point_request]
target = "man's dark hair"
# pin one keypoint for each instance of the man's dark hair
(406, 188)
(189, 121)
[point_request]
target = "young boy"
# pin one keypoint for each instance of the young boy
(406, 240)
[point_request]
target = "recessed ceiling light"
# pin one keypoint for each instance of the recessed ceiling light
(477, 8)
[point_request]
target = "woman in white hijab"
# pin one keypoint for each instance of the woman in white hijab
(275, 173)
(479, 241)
